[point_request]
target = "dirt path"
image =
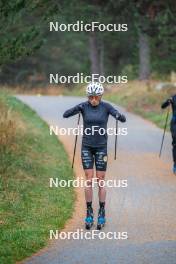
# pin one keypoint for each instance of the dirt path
(145, 209)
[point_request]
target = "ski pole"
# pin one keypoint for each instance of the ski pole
(164, 132)
(116, 139)
(75, 142)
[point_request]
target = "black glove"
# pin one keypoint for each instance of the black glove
(166, 103)
(121, 118)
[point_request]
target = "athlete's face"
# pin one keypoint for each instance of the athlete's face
(94, 100)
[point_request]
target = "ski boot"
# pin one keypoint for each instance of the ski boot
(174, 169)
(101, 218)
(89, 219)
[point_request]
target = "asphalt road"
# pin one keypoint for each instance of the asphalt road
(145, 209)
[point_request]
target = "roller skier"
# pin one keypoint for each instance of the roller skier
(95, 112)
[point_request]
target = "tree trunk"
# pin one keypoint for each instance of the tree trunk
(102, 70)
(144, 56)
(94, 53)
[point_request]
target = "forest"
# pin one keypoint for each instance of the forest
(31, 48)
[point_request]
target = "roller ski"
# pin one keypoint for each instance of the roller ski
(101, 218)
(89, 219)
(174, 169)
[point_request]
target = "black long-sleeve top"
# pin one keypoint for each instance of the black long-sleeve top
(95, 116)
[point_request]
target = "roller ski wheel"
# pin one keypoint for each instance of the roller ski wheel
(89, 219)
(101, 219)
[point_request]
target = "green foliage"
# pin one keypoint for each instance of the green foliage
(23, 27)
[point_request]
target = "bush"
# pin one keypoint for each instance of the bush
(7, 137)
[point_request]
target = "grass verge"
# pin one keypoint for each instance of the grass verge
(29, 156)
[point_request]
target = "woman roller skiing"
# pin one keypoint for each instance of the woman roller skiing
(95, 112)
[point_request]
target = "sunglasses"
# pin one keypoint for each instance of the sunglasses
(96, 97)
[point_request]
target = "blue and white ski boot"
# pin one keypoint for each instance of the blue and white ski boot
(101, 218)
(89, 220)
(174, 169)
